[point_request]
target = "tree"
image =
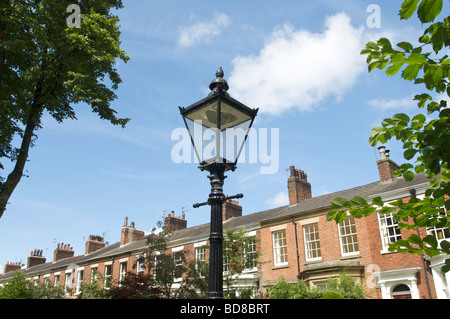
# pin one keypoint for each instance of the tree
(135, 286)
(167, 267)
(180, 275)
(239, 254)
(46, 66)
(346, 287)
(46, 290)
(18, 287)
(342, 287)
(295, 290)
(95, 289)
(425, 138)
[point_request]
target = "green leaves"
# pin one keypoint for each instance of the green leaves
(48, 67)
(424, 139)
(357, 207)
(408, 8)
(427, 11)
(416, 245)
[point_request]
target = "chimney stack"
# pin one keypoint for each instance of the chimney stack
(231, 208)
(94, 243)
(130, 234)
(386, 166)
(11, 267)
(35, 258)
(298, 186)
(63, 251)
(173, 223)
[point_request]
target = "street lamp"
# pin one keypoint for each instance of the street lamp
(225, 122)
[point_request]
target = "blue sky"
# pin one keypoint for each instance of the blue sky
(298, 61)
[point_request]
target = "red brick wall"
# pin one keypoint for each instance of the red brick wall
(369, 242)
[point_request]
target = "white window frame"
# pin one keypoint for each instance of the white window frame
(279, 244)
(344, 237)
(200, 253)
(140, 263)
(80, 273)
(200, 257)
(56, 279)
(386, 235)
(157, 261)
(68, 282)
(312, 242)
(108, 276)
(94, 272)
(122, 271)
(442, 231)
(177, 261)
(251, 250)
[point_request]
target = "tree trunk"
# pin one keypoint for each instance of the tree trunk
(14, 177)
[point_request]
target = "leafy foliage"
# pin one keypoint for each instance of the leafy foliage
(18, 287)
(343, 287)
(135, 286)
(425, 138)
(166, 266)
(95, 289)
(236, 252)
(192, 275)
(47, 67)
(296, 290)
(332, 295)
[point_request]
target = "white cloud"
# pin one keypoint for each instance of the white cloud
(298, 69)
(406, 103)
(390, 104)
(280, 199)
(202, 31)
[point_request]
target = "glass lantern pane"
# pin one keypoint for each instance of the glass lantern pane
(206, 140)
(212, 145)
(231, 116)
(207, 114)
(233, 140)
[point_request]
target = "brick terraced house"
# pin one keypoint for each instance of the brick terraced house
(294, 241)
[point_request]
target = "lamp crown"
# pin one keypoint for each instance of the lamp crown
(219, 81)
(219, 72)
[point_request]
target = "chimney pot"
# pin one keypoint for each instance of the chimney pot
(382, 150)
(175, 223)
(298, 186)
(130, 234)
(230, 209)
(386, 166)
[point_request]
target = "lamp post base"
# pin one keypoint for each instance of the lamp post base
(216, 197)
(215, 200)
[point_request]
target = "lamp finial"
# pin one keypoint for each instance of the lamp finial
(219, 72)
(219, 81)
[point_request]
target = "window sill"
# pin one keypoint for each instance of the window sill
(280, 266)
(385, 252)
(313, 261)
(350, 256)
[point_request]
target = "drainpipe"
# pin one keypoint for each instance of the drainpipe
(413, 195)
(296, 245)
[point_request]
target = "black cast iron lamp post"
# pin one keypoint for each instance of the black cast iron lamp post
(226, 121)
